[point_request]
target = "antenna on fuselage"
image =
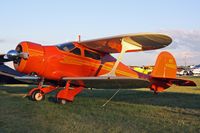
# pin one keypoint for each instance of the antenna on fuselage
(79, 38)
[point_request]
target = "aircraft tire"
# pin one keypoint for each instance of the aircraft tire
(37, 95)
(61, 101)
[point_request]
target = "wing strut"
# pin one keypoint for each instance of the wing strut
(125, 47)
(110, 98)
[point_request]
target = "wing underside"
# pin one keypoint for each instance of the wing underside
(106, 82)
(139, 42)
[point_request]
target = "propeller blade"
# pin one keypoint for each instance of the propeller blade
(2, 58)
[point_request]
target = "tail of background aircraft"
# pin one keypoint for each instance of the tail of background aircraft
(164, 73)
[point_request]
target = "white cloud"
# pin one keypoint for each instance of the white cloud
(185, 47)
(1, 40)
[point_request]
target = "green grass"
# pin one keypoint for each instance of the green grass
(176, 110)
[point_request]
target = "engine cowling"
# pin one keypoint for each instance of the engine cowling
(35, 61)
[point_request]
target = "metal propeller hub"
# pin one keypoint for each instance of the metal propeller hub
(12, 55)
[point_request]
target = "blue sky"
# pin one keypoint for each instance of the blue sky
(52, 22)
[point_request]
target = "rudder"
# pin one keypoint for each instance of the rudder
(164, 74)
(165, 66)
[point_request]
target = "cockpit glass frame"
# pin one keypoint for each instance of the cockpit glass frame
(66, 46)
(70, 47)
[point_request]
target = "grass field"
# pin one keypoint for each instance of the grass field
(176, 110)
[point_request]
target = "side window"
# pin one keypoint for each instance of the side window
(76, 51)
(92, 55)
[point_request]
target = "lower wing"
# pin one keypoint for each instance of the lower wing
(109, 82)
(104, 82)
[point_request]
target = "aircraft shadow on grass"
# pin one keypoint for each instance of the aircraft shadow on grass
(166, 99)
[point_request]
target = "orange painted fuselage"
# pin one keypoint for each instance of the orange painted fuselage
(53, 63)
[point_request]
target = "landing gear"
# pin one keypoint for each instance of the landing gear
(62, 101)
(37, 95)
(158, 87)
(68, 94)
(62, 97)
(154, 88)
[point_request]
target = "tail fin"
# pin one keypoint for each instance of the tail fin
(164, 73)
(165, 66)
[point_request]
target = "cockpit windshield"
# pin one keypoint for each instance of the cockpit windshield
(66, 46)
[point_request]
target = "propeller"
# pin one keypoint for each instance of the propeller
(13, 55)
(2, 59)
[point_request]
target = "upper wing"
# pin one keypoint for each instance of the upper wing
(109, 82)
(139, 42)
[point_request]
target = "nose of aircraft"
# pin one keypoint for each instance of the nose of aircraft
(28, 57)
(14, 55)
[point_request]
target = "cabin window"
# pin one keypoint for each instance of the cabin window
(92, 55)
(76, 51)
(66, 46)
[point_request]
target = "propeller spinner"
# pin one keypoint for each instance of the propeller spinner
(13, 55)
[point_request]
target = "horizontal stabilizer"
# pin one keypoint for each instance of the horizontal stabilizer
(175, 81)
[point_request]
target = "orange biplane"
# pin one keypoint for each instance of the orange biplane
(88, 64)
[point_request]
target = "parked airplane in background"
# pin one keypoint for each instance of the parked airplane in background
(196, 70)
(88, 64)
